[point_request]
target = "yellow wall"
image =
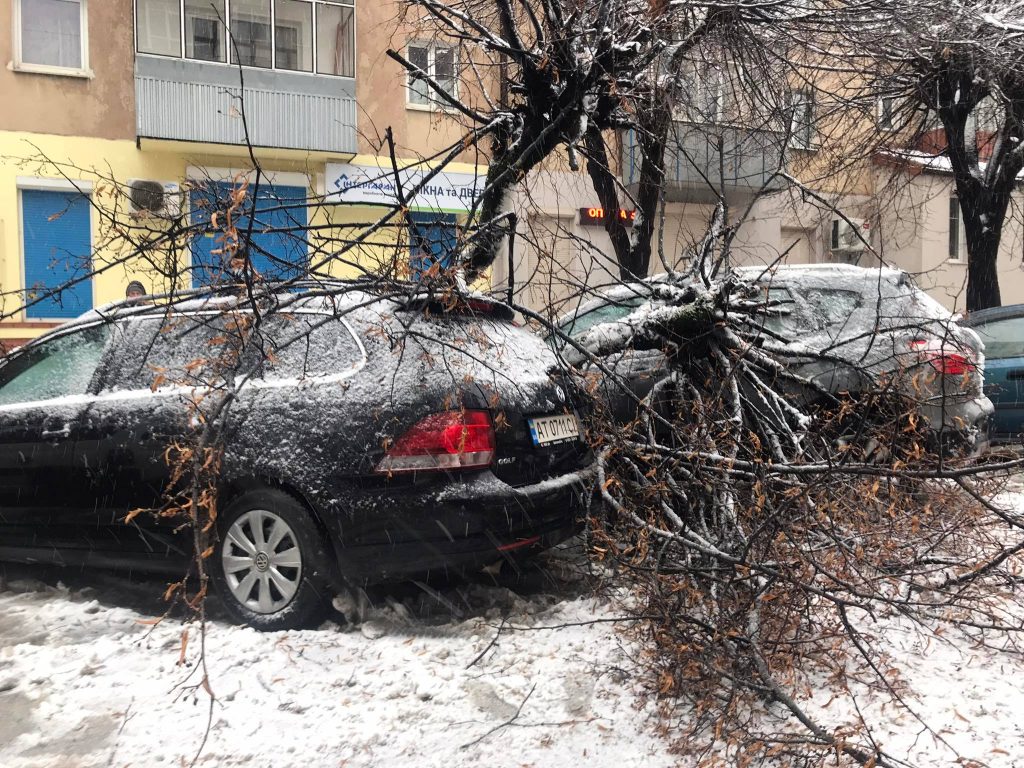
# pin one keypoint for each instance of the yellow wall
(28, 159)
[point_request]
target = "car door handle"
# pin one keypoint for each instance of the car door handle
(1015, 374)
(57, 434)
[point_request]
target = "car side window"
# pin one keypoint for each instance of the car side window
(56, 368)
(304, 345)
(1003, 338)
(155, 352)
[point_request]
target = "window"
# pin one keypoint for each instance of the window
(432, 240)
(183, 350)
(781, 314)
(579, 325)
(204, 30)
(276, 248)
(51, 35)
(159, 27)
(439, 63)
(250, 31)
(291, 35)
(56, 248)
(335, 39)
(957, 239)
(703, 100)
(833, 305)
(887, 113)
(57, 368)
(801, 134)
(304, 344)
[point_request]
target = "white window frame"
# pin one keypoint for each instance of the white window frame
(273, 39)
(802, 136)
(19, 65)
(961, 241)
(707, 84)
(434, 103)
(880, 114)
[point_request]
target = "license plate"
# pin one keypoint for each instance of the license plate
(547, 430)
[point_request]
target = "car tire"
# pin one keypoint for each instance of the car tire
(270, 567)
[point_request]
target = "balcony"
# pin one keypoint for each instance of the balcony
(703, 160)
(184, 100)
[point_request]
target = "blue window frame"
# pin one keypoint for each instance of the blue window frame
(277, 248)
(432, 239)
(57, 248)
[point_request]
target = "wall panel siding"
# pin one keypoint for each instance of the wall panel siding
(188, 101)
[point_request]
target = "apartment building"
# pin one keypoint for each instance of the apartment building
(901, 211)
(148, 94)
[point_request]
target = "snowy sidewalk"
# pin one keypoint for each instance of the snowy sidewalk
(85, 684)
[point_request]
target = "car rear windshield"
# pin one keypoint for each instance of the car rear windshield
(606, 313)
(833, 305)
(1003, 338)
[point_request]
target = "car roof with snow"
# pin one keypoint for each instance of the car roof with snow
(340, 297)
(835, 276)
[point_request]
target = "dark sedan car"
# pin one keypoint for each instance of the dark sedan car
(372, 439)
(1002, 330)
(847, 329)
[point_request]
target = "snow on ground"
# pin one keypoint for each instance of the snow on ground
(969, 696)
(84, 683)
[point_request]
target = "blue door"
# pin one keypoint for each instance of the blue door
(57, 248)
(277, 247)
(432, 239)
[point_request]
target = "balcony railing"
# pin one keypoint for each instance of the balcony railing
(183, 100)
(702, 161)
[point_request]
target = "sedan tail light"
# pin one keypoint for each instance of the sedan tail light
(945, 362)
(951, 363)
(443, 442)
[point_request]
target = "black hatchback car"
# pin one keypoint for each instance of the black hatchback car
(372, 439)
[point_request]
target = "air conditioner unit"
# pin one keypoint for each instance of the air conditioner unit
(154, 198)
(847, 237)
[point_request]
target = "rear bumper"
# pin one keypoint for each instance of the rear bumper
(465, 525)
(960, 425)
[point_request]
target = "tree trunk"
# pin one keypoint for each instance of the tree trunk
(606, 187)
(982, 227)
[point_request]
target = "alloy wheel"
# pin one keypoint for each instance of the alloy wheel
(262, 561)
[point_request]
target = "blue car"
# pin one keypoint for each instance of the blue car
(1002, 330)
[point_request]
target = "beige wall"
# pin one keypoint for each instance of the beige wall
(101, 106)
(919, 233)
(381, 90)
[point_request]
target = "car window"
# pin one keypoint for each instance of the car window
(195, 350)
(577, 326)
(1003, 338)
(306, 344)
(833, 305)
(56, 368)
(183, 350)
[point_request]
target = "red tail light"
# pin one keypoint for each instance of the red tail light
(951, 364)
(443, 441)
(944, 362)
